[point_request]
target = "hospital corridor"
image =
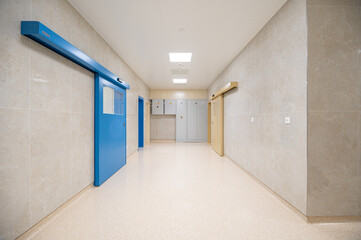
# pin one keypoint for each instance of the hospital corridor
(164, 119)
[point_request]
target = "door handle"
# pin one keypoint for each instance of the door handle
(123, 124)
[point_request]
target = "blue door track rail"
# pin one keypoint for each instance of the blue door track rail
(43, 35)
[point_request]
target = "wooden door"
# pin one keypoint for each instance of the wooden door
(209, 121)
(217, 124)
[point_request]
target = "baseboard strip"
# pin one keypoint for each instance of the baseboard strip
(54, 215)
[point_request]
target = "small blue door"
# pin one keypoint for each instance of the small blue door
(110, 129)
(140, 122)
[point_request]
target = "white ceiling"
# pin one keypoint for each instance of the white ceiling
(143, 32)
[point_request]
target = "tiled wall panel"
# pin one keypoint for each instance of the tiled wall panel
(47, 112)
(162, 127)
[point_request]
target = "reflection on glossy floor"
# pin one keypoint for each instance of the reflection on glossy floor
(184, 191)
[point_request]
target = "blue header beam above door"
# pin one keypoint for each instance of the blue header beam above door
(43, 35)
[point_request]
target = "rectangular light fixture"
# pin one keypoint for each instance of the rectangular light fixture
(180, 57)
(179, 80)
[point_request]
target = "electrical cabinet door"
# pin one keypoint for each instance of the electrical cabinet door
(181, 120)
(170, 106)
(192, 120)
(197, 120)
(201, 125)
(157, 106)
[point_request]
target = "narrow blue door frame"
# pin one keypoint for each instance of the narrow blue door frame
(140, 122)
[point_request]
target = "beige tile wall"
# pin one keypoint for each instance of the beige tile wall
(162, 127)
(272, 74)
(47, 112)
(178, 93)
(359, 117)
(334, 108)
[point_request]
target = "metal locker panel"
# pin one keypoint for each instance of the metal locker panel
(201, 127)
(192, 120)
(157, 106)
(170, 106)
(181, 120)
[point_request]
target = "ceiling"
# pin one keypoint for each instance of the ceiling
(144, 32)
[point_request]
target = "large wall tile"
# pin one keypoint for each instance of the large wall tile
(290, 154)
(57, 15)
(162, 127)
(334, 2)
(359, 77)
(249, 152)
(50, 162)
(14, 172)
(242, 146)
(132, 133)
(98, 48)
(132, 102)
(178, 94)
(359, 165)
(15, 67)
(333, 101)
(290, 52)
(51, 80)
(332, 60)
(15, 10)
(82, 90)
(81, 31)
(14, 55)
(232, 137)
(81, 150)
(232, 103)
(262, 148)
(332, 164)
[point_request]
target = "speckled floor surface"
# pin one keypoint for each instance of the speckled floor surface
(184, 191)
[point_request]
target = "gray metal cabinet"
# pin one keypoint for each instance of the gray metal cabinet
(192, 120)
(202, 120)
(157, 106)
(170, 106)
(197, 120)
(181, 120)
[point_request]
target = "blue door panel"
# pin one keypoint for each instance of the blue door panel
(140, 122)
(110, 132)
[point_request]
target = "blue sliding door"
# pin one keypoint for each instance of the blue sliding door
(140, 122)
(110, 129)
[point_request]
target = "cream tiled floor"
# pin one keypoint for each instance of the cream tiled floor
(184, 191)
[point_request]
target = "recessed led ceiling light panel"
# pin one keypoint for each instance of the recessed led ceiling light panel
(180, 57)
(179, 80)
